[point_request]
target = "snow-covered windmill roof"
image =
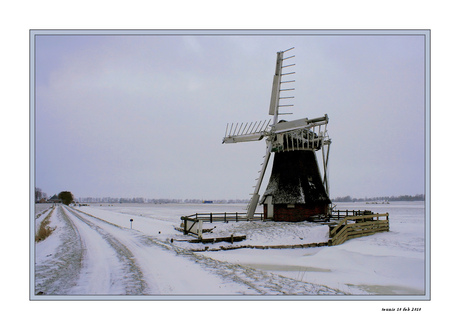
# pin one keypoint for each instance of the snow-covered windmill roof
(296, 179)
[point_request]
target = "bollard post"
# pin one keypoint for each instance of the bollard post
(131, 221)
(200, 229)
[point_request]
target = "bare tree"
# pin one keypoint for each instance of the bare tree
(38, 194)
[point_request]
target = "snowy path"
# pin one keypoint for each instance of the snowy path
(88, 255)
(108, 265)
(86, 260)
(59, 267)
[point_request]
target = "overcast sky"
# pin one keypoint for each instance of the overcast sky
(144, 115)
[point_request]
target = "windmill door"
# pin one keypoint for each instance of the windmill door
(269, 203)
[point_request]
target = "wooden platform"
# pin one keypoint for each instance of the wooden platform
(358, 226)
(261, 247)
(229, 239)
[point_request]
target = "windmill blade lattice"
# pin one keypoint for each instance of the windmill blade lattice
(302, 135)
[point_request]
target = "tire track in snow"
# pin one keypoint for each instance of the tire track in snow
(256, 281)
(60, 273)
(123, 275)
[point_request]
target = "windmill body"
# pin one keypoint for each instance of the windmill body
(296, 190)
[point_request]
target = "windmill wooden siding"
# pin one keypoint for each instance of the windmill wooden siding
(300, 212)
(295, 190)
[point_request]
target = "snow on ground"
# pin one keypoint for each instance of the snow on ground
(391, 263)
(93, 251)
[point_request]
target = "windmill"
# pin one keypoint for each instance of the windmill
(296, 189)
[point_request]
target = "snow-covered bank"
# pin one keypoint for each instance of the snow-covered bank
(91, 254)
(390, 263)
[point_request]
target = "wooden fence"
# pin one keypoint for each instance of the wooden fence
(222, 217)
(193, 224)
(358, 226)
(341, 214)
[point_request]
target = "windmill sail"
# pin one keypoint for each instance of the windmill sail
(277, 91)
(254, 131)
(274, 100)
(255, 196)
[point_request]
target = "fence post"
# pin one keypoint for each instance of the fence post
(236, 216)
(225, 217)
(210, 217)
(200, 229)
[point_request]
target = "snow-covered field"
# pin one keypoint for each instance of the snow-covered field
(94, 252)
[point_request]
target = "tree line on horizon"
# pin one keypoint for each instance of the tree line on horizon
(157, 200)
(401, 198)
(68, 197)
